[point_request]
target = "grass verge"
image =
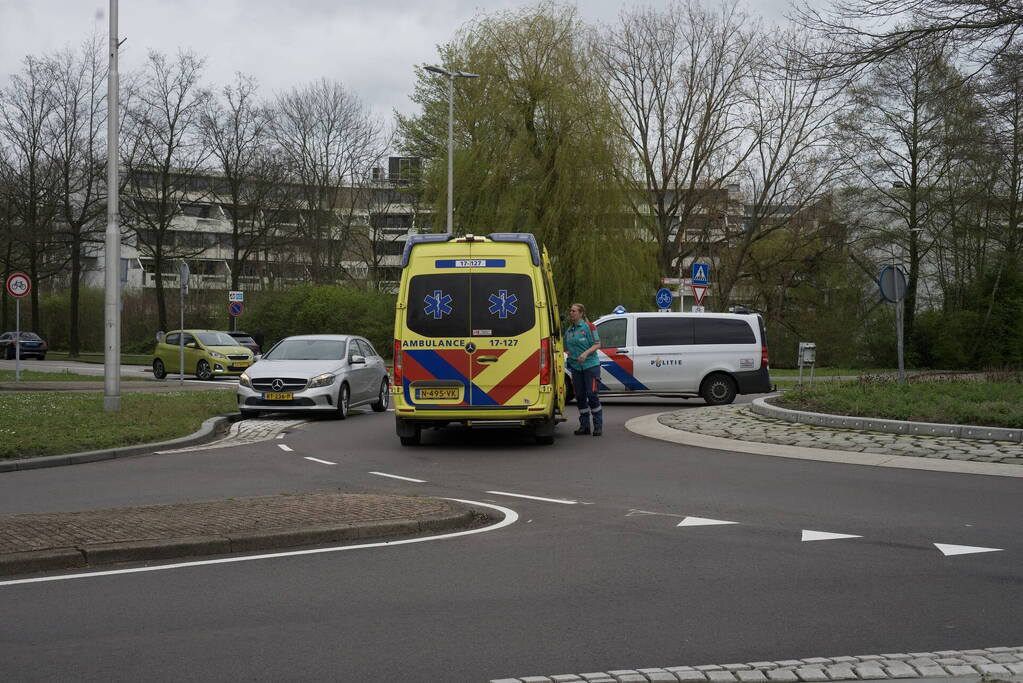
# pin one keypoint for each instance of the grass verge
(45, 423)
(36, 376)
(126, 358)
(829, 372)
(995, 404)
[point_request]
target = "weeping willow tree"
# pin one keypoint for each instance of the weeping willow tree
(535, 151)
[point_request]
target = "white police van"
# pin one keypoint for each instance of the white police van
(712, 355)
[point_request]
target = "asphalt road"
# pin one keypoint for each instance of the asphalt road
(609, 582)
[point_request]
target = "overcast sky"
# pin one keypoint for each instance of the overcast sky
(368, 45)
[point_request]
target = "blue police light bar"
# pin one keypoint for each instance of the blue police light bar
(526, 237)
(413, 240)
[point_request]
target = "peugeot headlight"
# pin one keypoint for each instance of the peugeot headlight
(216, 354)
(324, 380)
(245, 381)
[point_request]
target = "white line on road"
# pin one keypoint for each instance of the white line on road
(546, 500)
(395, 476)
(702, 521)
(949, 549)
(510, 517)
(280, 436)
(284, 448)
(809, 535)
(325, 462)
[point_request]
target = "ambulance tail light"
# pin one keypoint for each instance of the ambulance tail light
(397, 363)
(545, 360)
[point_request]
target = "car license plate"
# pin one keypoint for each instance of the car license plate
(425, 394)
(278, 396)
(239, 366)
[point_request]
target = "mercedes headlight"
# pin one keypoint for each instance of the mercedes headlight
(245, 380)
(324, 380)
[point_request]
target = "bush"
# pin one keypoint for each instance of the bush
(324, 309)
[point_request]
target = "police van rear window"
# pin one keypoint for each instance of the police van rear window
(723, 331)
(477, 305)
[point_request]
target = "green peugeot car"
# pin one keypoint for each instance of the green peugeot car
(208, 354)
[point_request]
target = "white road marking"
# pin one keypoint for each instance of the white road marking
(395, 476)
(510, 517)
(284, 448)
(325, 462)
(948, 549)
(280, 436)
(824, 535)
(702, 521)
(546, 500)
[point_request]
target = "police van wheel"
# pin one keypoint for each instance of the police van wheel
(718, 390)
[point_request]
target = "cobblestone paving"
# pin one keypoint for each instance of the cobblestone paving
(739, 422)
(22, 533)
(995, 663)
(246, 432)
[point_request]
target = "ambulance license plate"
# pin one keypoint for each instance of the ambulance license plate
(278, 396)
(425, 394)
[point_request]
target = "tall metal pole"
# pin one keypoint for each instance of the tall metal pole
(112, 254)
(451, 149)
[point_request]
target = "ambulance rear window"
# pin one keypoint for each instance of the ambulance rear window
(502, 304)
(438, 305)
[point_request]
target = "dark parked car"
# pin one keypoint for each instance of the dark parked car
(245, 339)
(30, 343)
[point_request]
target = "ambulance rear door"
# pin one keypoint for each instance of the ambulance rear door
(505, 326)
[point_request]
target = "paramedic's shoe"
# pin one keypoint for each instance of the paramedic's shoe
(598, 431)
(582, 431)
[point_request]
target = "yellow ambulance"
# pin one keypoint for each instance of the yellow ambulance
(477, 337)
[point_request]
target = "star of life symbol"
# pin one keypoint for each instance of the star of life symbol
(438, 305)
(503, 304)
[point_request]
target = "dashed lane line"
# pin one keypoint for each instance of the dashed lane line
(545, 500)
(323, 462)
(395, 476)
(284, 447)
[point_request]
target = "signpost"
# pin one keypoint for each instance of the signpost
(183, 281)
(699, 284)
(663, 299)
(18, 285)
(892, 282)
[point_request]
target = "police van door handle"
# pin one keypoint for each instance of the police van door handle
(486, 359)
(622, 351)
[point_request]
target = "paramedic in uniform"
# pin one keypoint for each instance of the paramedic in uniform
(581, 344)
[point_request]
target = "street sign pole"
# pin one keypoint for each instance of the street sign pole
(183, 282)
(17, 340)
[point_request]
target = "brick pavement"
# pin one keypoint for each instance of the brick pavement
(741, 423)
(34, 542)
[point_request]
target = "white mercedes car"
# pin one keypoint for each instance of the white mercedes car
(329, 373)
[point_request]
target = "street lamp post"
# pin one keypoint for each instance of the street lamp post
(452, 75)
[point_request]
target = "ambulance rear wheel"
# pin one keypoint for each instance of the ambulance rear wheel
(411, 440)
(543, 432)
(408, 432)
(718, 389)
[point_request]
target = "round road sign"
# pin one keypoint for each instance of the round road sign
(893, 284)
(663, 298)
(236, 308)
(18, 284)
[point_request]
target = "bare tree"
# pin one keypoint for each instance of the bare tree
(863, 32)
(252, 187)
(164, 154)
(26, 106)
(1003, 96)
(895, 135)
(680, 80)
(794, 165)
(76, 151)
(330, 142)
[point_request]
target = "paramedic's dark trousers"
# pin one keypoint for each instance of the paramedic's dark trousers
(585, 384)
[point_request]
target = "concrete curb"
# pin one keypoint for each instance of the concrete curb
(171, 548)
(209, 430)
(873, 424)
(649, 426)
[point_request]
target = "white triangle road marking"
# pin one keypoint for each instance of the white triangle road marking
(702, 521)
(948, 549)
(824, 535)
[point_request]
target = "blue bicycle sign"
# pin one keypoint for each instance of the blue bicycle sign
(664, 298)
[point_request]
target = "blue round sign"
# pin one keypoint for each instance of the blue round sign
(664, 298)
(235, 308)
